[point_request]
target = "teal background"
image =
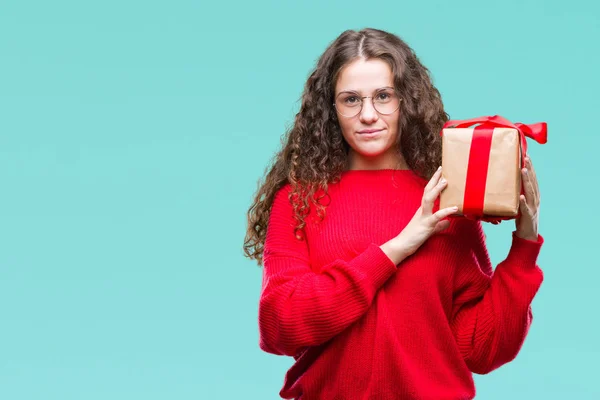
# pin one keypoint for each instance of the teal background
(132, 138)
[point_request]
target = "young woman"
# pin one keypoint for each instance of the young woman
(366, 282)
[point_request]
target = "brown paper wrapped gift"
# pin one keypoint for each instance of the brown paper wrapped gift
(483, 164)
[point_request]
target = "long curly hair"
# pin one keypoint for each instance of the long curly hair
(314, 152)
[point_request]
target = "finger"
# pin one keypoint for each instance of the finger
(430, 196)
(533, 178)
(434, 179)
(529, 190)
(530, 164)
(524, 207)
(443, 213)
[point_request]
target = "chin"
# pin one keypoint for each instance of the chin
(370, 151)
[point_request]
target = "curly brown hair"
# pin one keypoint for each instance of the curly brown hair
(314, 152)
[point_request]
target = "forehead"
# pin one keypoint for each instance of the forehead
(364, 76)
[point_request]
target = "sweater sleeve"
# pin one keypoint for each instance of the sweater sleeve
(299, 307)
(492, 309)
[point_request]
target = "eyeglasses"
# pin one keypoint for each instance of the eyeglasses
(385, 101)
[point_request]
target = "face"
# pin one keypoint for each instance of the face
(368, 150)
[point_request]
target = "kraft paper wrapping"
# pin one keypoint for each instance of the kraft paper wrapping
(503, 184)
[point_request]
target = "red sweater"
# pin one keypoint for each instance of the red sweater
(361, 327)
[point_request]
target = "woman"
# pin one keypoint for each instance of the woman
(367, 283)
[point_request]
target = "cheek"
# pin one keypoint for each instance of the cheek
(346, 128)
(392, 124)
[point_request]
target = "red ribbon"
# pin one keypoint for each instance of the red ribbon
(479, 158)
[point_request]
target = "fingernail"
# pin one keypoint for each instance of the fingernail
(525, 171)
(443, 181)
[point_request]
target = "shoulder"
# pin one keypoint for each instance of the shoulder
(281, 203)
(282, 234)
(284, 195)
(283, 192)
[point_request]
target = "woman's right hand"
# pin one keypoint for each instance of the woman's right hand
(425, 222)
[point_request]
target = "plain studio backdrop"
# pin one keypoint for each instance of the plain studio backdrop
(132, 138)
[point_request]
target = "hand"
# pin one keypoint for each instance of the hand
(425, 223)
(529, 204)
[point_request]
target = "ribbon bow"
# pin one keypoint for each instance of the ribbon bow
(537, 131)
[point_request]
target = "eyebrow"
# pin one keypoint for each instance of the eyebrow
(354, 91)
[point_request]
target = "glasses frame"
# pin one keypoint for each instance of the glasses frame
(362, 102)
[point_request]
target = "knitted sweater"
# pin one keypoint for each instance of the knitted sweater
(361, 327)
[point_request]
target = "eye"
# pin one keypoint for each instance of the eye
(351, 100)
(384, 96)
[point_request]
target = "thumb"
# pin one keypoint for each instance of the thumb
(441, 226)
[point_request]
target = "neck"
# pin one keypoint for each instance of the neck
(383, 161)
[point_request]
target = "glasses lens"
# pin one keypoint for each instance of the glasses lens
(348, 104)
(386, 101)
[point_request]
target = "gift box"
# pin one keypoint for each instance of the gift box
(482, 165)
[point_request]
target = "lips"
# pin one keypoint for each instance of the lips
(369, 131)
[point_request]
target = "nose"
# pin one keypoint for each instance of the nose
(368, 114)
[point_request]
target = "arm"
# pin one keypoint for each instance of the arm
(299, 307)
(492, 309)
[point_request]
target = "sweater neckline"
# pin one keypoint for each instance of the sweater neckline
(379, 176)
(376, 171)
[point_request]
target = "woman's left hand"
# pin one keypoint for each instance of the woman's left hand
(529, 204)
